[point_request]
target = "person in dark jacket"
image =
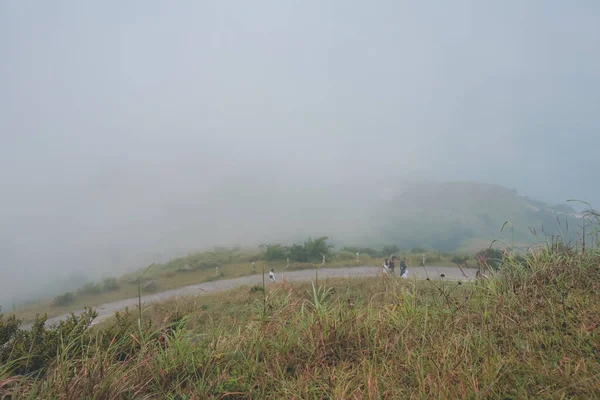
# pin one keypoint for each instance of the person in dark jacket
(393, 265)
(403, 269)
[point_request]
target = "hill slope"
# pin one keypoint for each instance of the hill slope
(530, 333)
(256, 210)
(452, 215)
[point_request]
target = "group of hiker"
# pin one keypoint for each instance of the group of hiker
(389, 266)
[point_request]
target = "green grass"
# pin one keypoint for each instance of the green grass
(533, 332)
(170, 276)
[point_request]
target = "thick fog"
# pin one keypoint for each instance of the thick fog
(139, 130)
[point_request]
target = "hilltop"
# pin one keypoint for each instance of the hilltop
(446, 216)
(468, 215)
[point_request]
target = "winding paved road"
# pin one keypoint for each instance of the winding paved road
(107, 310)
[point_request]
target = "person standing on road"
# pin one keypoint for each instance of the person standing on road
(403, 269)
(385, 266)
(272, 275)
(393, 265)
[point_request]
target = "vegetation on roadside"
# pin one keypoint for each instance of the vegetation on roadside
(532, 331)
(64, 299)
(108, 285)
(231, 262)
(89, 289)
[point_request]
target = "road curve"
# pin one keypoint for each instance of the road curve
(107, 310)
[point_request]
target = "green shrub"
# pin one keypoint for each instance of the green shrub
(90, 288)
(203, 260)
(316, 248)
(256, 288)
(311, 250)
(33, 350)
(110, 284)
(274, 252)
(459, 259)
(490, 257)
(8, 327)
(389, 250)
(63, 299)
(298, 253)
(112, 336)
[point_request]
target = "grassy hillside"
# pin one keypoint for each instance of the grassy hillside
(532, 332)
(459, 215)
(201, 267)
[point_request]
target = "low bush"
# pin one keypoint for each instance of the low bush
(256, 288)
(90, 288)
(110, 284)
(311, 250)
(63, 299)
(459, 259)
(34, 350)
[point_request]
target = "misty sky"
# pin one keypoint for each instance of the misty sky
(117, 117)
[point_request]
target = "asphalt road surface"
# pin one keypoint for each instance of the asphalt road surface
(107, 310)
